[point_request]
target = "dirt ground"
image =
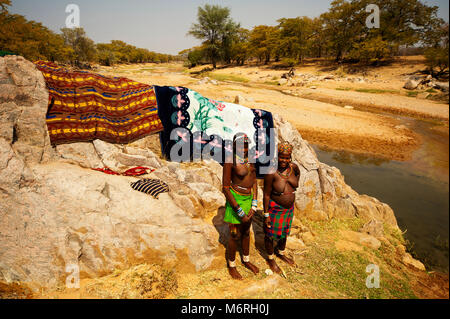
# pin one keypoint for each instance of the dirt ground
(323, 269)
(332, 113)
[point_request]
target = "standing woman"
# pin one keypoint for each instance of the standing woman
(240, 190)
(279, 198)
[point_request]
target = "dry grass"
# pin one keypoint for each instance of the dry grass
(139, 282)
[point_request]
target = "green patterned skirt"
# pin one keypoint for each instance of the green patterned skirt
(243, 200)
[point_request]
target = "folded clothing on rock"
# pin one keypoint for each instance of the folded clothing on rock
(150, 186)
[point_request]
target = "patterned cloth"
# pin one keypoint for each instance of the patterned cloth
(180, 107)
(85, 106)
(280, 221)
(150, 186)
(243, 200)
(135, 171)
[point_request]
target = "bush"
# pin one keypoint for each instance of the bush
(195, 57)
(437, 58)
(288, 62)
(370, 51)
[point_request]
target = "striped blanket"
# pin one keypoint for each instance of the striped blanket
(84, 106)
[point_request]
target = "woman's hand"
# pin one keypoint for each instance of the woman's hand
(247, 218)
(267, 222)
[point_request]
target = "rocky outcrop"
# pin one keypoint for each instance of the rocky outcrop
(55, 211)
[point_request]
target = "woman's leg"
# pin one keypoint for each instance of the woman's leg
(281, 251)
(245, 233)
(268, 243)
(231, 252)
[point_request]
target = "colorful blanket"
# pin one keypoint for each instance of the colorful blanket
(84, 106)
(202, 122)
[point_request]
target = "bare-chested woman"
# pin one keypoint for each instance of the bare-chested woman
(240, 189)
(279, 198)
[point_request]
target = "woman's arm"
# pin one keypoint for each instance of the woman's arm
(268, 181)
(226, 183)
(255, 196)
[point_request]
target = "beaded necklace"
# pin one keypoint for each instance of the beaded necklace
(284, 175)
(245, 162)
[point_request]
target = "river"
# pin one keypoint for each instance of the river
(417, 190)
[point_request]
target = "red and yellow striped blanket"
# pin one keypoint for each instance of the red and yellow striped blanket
(84, 106)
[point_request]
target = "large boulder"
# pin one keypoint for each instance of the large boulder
(56, 211)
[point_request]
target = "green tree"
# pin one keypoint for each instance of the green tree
(436, 53)
(216, 28)
(83, 47)
(341, 27)
(295, 35)
(263, 41)
(371, 51)
(240, 47)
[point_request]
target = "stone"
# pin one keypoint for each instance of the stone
(82, 154)
(23, 105)
(443, 86)
(268, 284)
(119, 221)
(411, 84)
(268, 272)
(294, 243)
(361, 238)
(373, 228)
(408, 260)
(307, 237)
(315, 215)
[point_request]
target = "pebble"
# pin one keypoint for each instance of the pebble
(269, 272)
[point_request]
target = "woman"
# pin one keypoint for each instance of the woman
(279, 198)
(240, 189)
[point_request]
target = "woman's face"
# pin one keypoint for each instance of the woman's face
(242, 149)
(284, 160)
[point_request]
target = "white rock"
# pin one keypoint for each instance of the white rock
(411, 84)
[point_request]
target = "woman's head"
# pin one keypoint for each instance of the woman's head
(284, 154)
(240, 145)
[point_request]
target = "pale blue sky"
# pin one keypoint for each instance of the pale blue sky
(161, 25)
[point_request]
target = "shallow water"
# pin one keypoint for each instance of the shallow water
(417, 190)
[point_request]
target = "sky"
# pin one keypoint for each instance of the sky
(161, 25)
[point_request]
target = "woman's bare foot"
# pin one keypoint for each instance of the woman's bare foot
(234, 273)
(286, 259)
(273, 266)
(250, 266)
